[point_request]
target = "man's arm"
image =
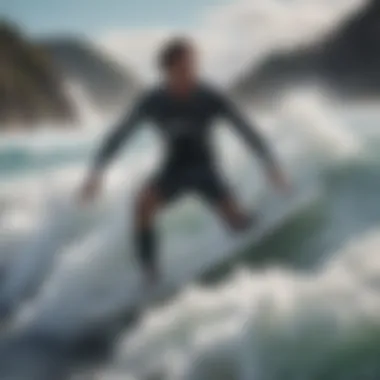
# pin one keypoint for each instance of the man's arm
(120, 135)
(111, 145)
(254, 140)
(246, 130)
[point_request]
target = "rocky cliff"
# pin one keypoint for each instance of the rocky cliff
(347, 60)
(107, 85)
(30, 87)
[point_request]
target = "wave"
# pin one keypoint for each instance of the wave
(271, 324)
(73, 269)
(59, 224)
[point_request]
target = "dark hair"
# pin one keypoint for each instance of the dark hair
(172, 51)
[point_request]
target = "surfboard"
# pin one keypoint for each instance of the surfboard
(184, 270)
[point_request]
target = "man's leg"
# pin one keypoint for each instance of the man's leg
(233, 215)
(147, 205)
(216, 192)
(162, 189)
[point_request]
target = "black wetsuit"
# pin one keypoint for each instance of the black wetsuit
(186, 126)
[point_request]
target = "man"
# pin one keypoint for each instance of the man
(184, 110)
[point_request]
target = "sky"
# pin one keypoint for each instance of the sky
(96, 17)
(232, 34)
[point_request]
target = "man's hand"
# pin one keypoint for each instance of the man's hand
(280, 181)
(91, 187)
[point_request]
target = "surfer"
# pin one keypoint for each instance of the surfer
(184, 109)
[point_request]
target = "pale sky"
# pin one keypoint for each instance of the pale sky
(231, 33)
(96, 17)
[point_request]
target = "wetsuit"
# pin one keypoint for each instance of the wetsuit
(186, 126)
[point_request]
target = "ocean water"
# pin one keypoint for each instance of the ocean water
(302, 302)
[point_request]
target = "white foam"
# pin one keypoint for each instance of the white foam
(84, 257)
(263, 325)
(101, 234)
(312, 112)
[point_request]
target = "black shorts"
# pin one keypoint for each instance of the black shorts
(176, 179)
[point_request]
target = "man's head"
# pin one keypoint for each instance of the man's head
(177, 61)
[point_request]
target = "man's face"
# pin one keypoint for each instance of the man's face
(185, 68)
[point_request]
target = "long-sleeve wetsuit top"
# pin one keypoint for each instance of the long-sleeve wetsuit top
(185, 124)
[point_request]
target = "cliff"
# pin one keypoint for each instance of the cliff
(107, 85)
(30, 87)
(347, 60)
